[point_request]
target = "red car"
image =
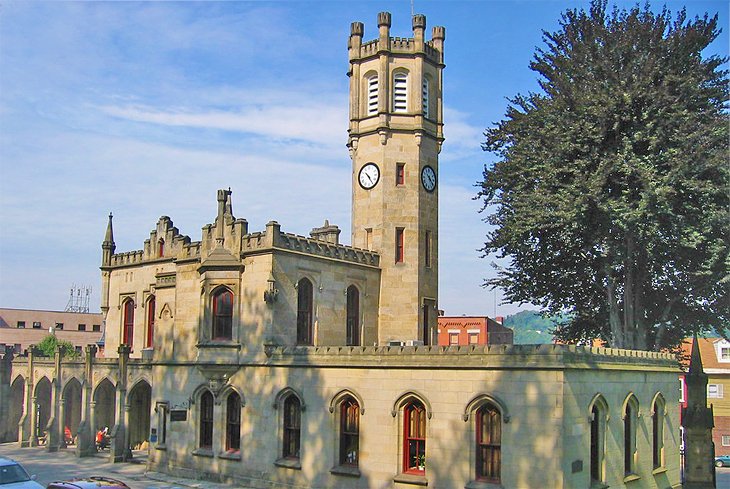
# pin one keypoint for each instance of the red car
(89, 483)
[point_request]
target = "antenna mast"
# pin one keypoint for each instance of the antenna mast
(79, 299)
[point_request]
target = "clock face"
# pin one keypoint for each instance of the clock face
(369, 176)
(428, 178)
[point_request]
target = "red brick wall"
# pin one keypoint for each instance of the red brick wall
(722, 427)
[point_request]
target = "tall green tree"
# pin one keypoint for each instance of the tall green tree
(610, 193)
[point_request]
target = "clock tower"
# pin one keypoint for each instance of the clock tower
(395, 135)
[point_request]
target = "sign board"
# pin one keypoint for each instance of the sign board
(179, 415)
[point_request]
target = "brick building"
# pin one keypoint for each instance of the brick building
(20, 328)
(473, 330)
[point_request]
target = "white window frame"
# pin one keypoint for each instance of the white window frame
(372, 91)
(718, 391)
(725, 440)
(682, 391)
(400, 92)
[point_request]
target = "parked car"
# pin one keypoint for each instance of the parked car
(89, 483)
(14, 476)
(722, 461)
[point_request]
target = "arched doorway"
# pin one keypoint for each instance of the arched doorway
(105, 397)
(72, 407)
(16, 407)
(43, 406)
(140, 402)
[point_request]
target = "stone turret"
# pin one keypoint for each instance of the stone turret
(698, 421)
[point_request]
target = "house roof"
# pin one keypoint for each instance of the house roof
(709, 353)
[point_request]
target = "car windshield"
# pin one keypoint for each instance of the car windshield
(12, 473)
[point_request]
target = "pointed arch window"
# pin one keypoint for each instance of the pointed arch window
(206, 421)
(598, 417)
(292, 427)
(161, 248)
(222, 315)
(414, 438)
(372, 91)
(489, 443)
(305, 303)
(657, 432)
(349, 432)
(353, 316)
(233, 422)
(631, 412)
(149, 340)
(128, 323)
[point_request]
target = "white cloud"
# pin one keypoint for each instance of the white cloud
(317, 122)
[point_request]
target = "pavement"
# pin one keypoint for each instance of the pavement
(64, 465)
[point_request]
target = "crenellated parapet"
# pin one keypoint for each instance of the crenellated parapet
(498, 356)
(431, 49)
(274, 239)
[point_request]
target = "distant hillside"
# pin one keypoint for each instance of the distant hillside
(530, 327)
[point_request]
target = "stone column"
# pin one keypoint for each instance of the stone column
(119, 443)
(6, 368)
(25, 425)
(33, 440)
(61, 424)
(85, 443)
(54, 426)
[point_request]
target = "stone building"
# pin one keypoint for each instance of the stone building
(263, 357)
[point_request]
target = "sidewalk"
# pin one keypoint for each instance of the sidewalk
(64, 465)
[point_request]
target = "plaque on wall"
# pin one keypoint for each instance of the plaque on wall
(179, 415)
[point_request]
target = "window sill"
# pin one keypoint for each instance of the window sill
(347, 470)
(658, 470)
(230, 455)
(631, 478)
(161, 447)
(483, 485)
(289, 463)
(416, 480)
(220, 344)
(203, 452)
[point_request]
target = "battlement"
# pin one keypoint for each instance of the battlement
(432, 49)
(507, 356)
(273, 238)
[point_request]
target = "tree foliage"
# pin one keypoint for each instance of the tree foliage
(610, 194)
(47, 347)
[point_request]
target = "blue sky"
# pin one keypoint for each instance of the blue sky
(145, 109)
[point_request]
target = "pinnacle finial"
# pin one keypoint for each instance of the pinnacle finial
(109, 236)
(695, 362)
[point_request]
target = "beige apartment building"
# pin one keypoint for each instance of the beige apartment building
(267, 359)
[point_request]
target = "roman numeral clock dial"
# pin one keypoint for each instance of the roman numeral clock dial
(428, 178)
(369, 176)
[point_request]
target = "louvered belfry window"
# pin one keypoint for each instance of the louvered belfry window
(373, 95)
(400, 92)
(425, 97)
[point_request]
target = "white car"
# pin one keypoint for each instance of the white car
(14, 476)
